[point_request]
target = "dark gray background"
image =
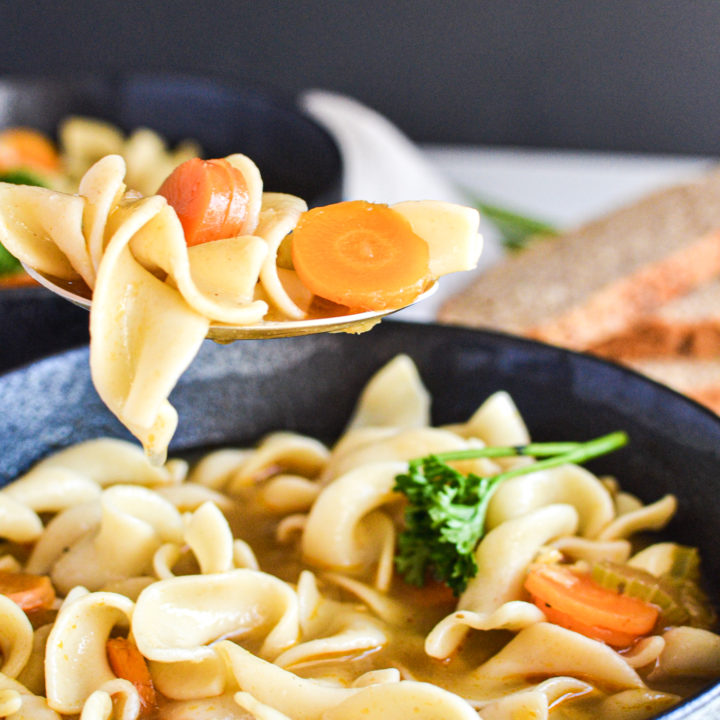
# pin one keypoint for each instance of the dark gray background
(616, 74)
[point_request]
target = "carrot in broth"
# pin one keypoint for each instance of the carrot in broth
(578, 603)
(30, 592)
(127, 663)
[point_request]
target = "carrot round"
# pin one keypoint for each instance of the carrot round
(30, 592)
(210, 198)
(26, 148)
(578, 603)
(127, 663)
(360, 254)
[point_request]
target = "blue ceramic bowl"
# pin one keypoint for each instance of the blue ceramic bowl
(237, 393)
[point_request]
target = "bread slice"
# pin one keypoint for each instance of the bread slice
(594, 283)
(688, 326)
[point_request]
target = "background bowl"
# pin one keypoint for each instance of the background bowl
(294, 154)
(235, 394)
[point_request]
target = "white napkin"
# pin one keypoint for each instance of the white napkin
(381, 164)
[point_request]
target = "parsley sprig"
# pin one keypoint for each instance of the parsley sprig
(445, 512)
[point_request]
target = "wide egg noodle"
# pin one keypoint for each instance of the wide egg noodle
(175, 618)
(191, 679)
(149, 161)
(143, 336)
(216, 468)
(52, 490)
(504, 554)
(16, 637)
(336, 536)
(160, 246)
(297, 697)
(279, 450)
(76, 661)
(636, 703)
(103, 188)
(209, 537)
(105, 461)
(20, 704)
(543, 649)
(43, 229)
(188, 496)
(494, 598)
(63, 531)
(330, 629)
(278, 217)
(101, 704)
(83, 141)
(569, 484)
(390, 701)
(580, 548)
(18, 522)
(654, 516)
(287, 493)
(451, 232)
(402, 444)
(394, 397)
(689, 651)
(497, 422)
(137, 515)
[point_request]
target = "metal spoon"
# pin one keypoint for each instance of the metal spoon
(79, 294)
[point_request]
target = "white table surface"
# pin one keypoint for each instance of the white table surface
(564, 188)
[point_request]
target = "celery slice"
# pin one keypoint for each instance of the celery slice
(645, 586)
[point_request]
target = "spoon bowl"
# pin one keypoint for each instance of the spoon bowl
(79, 294)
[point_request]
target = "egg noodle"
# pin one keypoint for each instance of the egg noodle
(259, 582)
(154, 298)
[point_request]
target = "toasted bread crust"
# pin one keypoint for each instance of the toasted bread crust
(593, 283)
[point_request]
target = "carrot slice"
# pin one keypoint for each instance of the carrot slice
(616, 638)
(210, 198)
(30, 592)
(360, 254)
(26, 148)
(128, 663)
(578, 603)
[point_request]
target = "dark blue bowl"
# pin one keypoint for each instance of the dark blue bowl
(237, 393)
(295, 155)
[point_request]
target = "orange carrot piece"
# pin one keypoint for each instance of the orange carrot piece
(432, 594)
(359, 254)
(26, 148)
(578, 603)
(30, 592)
(210, 198)
(616, 638)
(127, 663)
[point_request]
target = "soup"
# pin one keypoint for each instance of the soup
(266, 581)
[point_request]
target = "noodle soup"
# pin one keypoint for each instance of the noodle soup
(263, 581)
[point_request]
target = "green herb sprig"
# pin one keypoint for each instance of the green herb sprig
(445, 512)
(515, 229)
